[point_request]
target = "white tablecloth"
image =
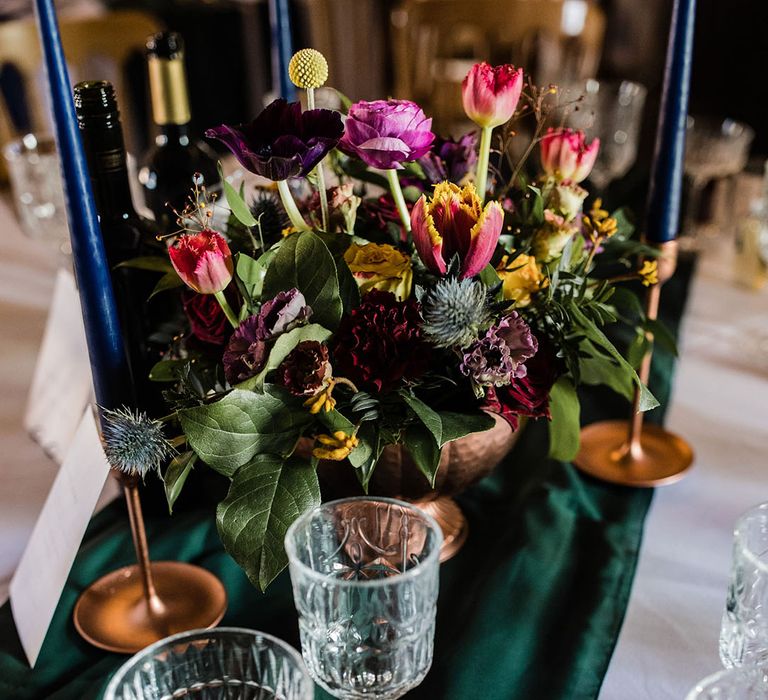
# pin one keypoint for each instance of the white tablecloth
(720, 404)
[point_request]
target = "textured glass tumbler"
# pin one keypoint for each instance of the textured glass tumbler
(365, 582)
(227, 662)
(734, 684)
(744, 631)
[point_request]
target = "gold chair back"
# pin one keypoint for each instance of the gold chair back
(435, 42)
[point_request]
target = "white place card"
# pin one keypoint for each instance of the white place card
(42, 572)
(61, 385)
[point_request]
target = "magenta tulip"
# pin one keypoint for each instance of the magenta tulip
(490, 93)
(453, 221)
(203, 261)
(565, 154)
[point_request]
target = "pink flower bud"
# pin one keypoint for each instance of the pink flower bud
(203, 261)
(490, 94)
(565, 154)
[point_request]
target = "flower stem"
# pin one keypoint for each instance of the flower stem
(397, 194)
(226, 308)
(319, 170)
(482, 162)
(297, 220)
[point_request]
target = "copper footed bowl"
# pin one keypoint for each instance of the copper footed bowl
(462, 463)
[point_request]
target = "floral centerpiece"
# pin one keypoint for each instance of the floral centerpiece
(432, 286)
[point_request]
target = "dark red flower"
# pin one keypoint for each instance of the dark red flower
(379, 344)
(206, 319)
(381, 213)
(528, 395)
(305, 369)
(246, 352)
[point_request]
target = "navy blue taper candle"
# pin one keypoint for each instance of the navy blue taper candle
(282, 48)
(663, 211)
(109, 366)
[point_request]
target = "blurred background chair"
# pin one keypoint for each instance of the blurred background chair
(435, 42)
(96, 47)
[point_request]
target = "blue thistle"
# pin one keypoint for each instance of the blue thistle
(455, 311)
(133, 442)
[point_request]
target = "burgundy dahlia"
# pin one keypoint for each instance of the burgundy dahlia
(206, 318)
(380, 344)
(283, 141)
(305, 369)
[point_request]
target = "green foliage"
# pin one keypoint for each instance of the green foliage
(424, 450)
(564, 426)
(170, 280)
(236, 203)
(153, 263)
(176, 475)
(303, 261)
(266, 495)
(251, 273)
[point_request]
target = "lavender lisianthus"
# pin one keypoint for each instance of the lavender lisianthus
(499, 356)
(386, 133)
(450, 159)
(282, 141)
(283, 313)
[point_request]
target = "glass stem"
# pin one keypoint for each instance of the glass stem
(482, 162)
(297, 220)
(397, 194)
(227, 309)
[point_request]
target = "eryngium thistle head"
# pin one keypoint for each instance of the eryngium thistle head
(270, 213)
(133, 442)
(454, 312)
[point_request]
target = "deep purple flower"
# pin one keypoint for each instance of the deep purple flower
(282, 141)
(499, 356)
(386, 133)
(283, 313)
(450, 159)
(246, 352)
(305, 369)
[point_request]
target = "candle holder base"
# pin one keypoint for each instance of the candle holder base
(660, 457)
(114, 614)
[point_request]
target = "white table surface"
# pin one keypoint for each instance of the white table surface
(720, 404)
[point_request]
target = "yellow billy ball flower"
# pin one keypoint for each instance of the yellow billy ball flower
(308, 69)
(649, 272)
(335, 447)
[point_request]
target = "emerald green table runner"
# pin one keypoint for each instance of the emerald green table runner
(529, 609)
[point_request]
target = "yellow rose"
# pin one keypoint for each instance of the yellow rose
(520, 277)
(380, 267)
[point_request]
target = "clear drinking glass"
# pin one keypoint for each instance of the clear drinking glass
(744, 629)
(365, 582)
(613, 112)
(733, 684)
(227, 662)
(33, 167)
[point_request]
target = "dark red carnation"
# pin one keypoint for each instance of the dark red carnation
(246, 352)
(528, 395)
(305, 369)
(206, 319)
(379, 344)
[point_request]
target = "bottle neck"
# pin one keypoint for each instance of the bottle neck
(168, 88)
(109, 171)
(173, 134)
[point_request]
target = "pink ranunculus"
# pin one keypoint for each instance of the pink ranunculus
(203, 261)
(454, 221)
(490, 93)
(386, 133)
(565, 154)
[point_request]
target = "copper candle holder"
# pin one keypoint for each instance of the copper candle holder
(628, 452)
(137, 605)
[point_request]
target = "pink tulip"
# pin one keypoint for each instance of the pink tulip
(490, 93)
(453, 221)
(203, 261)
(565, 154)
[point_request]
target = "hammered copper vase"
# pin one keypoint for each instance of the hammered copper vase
(462, 463)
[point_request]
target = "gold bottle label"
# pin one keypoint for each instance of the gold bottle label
(168, 86)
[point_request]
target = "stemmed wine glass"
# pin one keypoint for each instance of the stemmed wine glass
(613, 112)
(714, 148)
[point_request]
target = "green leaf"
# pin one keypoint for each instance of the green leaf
(448, 426)
(564, 428)
(303, 261)
(489, 277)
(166, 370)
(366, 455)
(155, 263)
(425, 452)
(170, 280)
(267, 494)
(281, 349)
(251, 273)
(661, 335)
(175, 476)
(228, 433)
(236, 203)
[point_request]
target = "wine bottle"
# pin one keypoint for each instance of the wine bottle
(126, 235)
(168, 168)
